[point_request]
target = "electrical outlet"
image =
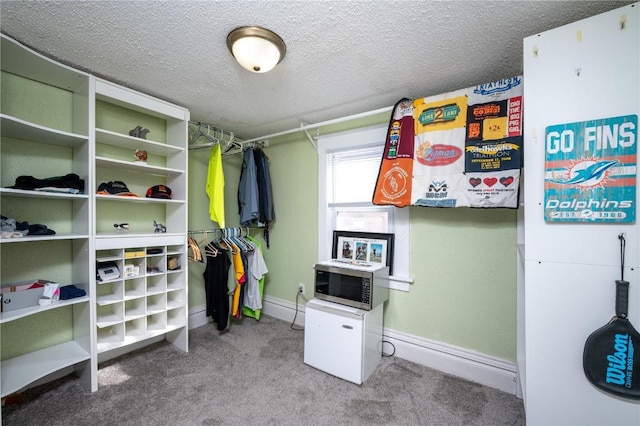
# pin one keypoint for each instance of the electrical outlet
(301, 288)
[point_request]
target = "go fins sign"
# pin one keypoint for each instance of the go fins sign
(590, 171)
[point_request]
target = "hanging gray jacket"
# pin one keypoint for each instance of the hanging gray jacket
(248, 204)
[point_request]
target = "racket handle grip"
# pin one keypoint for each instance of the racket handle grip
(622, 298)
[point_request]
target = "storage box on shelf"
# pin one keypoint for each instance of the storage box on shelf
(44, 130)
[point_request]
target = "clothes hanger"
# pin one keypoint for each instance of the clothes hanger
(232, 247)
(211, 248)
(205, 240)
(250, 246)
(192, 255)
(208, 250)
(235, 240)
(232, 144)
(201, 133)
(196, 253)
(196, 247)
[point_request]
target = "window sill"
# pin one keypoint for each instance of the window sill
(400, 283)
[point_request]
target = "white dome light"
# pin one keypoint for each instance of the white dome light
(256, 49)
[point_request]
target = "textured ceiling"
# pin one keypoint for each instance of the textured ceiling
(343, 57)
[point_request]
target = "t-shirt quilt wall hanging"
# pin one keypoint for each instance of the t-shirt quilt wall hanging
(458, 149)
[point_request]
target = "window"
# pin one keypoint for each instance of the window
(351, 177)
(348, 169)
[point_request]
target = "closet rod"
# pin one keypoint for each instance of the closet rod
(202, 145)
(304, 127)
(214, 230)
(211, 127)
(236, 147)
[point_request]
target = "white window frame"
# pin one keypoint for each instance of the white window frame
(360, 138)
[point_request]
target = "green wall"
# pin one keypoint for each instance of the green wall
(463, 260)
(464, 293)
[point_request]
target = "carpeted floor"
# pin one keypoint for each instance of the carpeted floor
(254, 374)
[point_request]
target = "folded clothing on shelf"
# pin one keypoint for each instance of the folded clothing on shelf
(70, 180)
(71, 292)
(8, 224)
(39, 229)
(12, 228)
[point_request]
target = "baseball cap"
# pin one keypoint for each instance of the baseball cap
(115, 187)
(159, 191)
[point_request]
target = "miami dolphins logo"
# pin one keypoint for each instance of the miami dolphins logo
(587, 173)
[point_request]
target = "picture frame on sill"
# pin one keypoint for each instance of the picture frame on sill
(368, 247)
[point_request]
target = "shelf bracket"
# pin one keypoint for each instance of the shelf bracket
(314, 141)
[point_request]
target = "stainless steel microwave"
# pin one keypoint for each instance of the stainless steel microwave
(361, 285)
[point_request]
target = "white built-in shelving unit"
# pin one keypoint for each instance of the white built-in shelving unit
(55, 120)
(153, 301)
(64, 139)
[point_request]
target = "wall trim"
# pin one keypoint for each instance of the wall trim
(470, 365)
(284, 310)
(277, 308)
(197, 317)
(453, 360)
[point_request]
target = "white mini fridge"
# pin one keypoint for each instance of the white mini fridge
(343, 341)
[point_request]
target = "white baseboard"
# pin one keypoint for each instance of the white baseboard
(198, 317)
(284, 310)
(469, 365)
(277, 308)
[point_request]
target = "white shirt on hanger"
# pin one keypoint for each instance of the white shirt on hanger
(257, 268)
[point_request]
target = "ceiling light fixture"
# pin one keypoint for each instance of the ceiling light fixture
(256, 49)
